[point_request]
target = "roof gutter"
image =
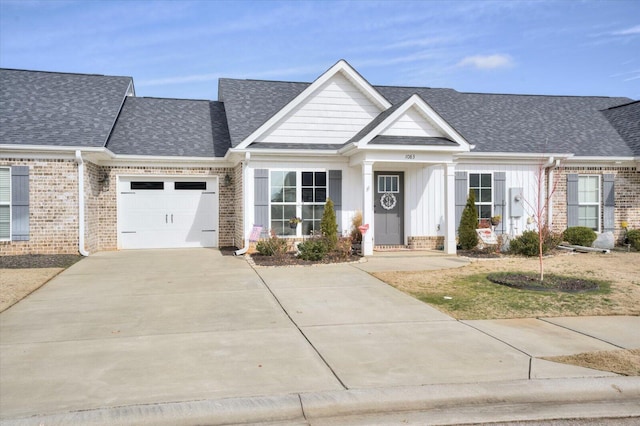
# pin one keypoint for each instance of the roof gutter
(80, 164)
(245, 164)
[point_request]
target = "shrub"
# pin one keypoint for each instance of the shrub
(313, 249)
(634, 238)
(527, 244)
(273, 246)
(579, 235)
(329, 225)
(343, 248)
(355, 234)
(467, 236)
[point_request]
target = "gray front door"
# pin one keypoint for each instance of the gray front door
(388, 208)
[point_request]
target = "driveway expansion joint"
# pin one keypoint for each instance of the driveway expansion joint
(546, 320)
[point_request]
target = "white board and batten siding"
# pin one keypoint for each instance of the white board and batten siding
(412, 123)
(333, 114)
(179, 213)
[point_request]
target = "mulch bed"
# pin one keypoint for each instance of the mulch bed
(290, 259)
(28, 261)
(528, 281)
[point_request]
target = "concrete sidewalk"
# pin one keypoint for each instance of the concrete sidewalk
(192, 337)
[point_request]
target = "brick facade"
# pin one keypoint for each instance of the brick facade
(53, 208)
(627, 196)
(425, 243)
(53, 204)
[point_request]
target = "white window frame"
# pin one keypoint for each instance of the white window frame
(8, 204)
(395, 178)
(482, 203)
(597, 203)
(298, 203)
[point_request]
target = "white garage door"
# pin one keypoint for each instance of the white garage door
(167, 212)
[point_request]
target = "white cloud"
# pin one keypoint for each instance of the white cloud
(487, 62)
(628, 31)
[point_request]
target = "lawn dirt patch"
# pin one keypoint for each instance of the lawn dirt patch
(465, 292)
(625, 361)
(24, 274)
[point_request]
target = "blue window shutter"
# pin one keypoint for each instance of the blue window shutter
(499, 194)
(572, 200)
(20, 203)
(335, 193)
(462, 192)
(261, 198)
(609, 201)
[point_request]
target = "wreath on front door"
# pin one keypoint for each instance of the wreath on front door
(388, 201)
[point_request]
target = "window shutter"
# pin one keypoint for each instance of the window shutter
(609, 199)
(335, 193)
(572, 200)
(462, 192)
(499, 194)
(20, 203)
(261, 198)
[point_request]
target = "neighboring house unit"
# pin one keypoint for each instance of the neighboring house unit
(85, 165)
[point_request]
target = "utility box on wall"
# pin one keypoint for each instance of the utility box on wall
(516, 207)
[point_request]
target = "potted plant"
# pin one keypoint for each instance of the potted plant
(294, 221)
(495, 220)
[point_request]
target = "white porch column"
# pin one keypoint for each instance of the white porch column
(367, 209)
(449, 208)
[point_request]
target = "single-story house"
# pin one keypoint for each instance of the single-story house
(86, 165)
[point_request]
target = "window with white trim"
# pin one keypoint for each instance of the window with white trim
(5, 203)
(589, 201)
(480, 184)
(388, 183)
(297, 194)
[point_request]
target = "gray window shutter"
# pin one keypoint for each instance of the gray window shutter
(261, 198)
(462, 192)
(335, 193)
(20, 203)
(499, 194)
(609, 201)
(572, 200)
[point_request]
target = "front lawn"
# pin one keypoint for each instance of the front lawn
(465, 293)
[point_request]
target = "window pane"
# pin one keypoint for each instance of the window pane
(588, 216)
(290, 195)
(485, 195)
(147, 185)
(276, 213)
(588, 189)
(321, 179)
(319, 210)
(5, 177)
(307, 179)
(476, 193)
(486, 180)
(307, 195)
(474, 180)
(4, 222)
(276, 195)
(394, 184)
(290, 179)
(277, 179)
(289, 212)
(190, 186)
(307, 212)
(484, 212)
(321, 195)
(307, 227)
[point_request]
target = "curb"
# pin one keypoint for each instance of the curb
(312, 406)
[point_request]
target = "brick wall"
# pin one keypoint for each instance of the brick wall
(627, 196)
(53, 204)
(425, 243)
(53, 208)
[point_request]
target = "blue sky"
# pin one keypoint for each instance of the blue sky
(180, 48)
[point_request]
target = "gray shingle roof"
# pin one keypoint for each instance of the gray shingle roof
(46, 108)
(626, 120)
(250, 103)
(170, 127)
(492, 122)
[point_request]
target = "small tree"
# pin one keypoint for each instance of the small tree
(467, 236)
(329, 225)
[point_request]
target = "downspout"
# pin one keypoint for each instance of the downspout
(80, 163)
(551, 165)
(245, 164)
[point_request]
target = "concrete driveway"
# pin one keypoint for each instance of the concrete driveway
(134, 328)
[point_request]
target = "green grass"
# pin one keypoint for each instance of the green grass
(475, 297)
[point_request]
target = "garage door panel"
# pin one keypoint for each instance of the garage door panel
(170, 217)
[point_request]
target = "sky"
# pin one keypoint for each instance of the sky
(179, 49)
